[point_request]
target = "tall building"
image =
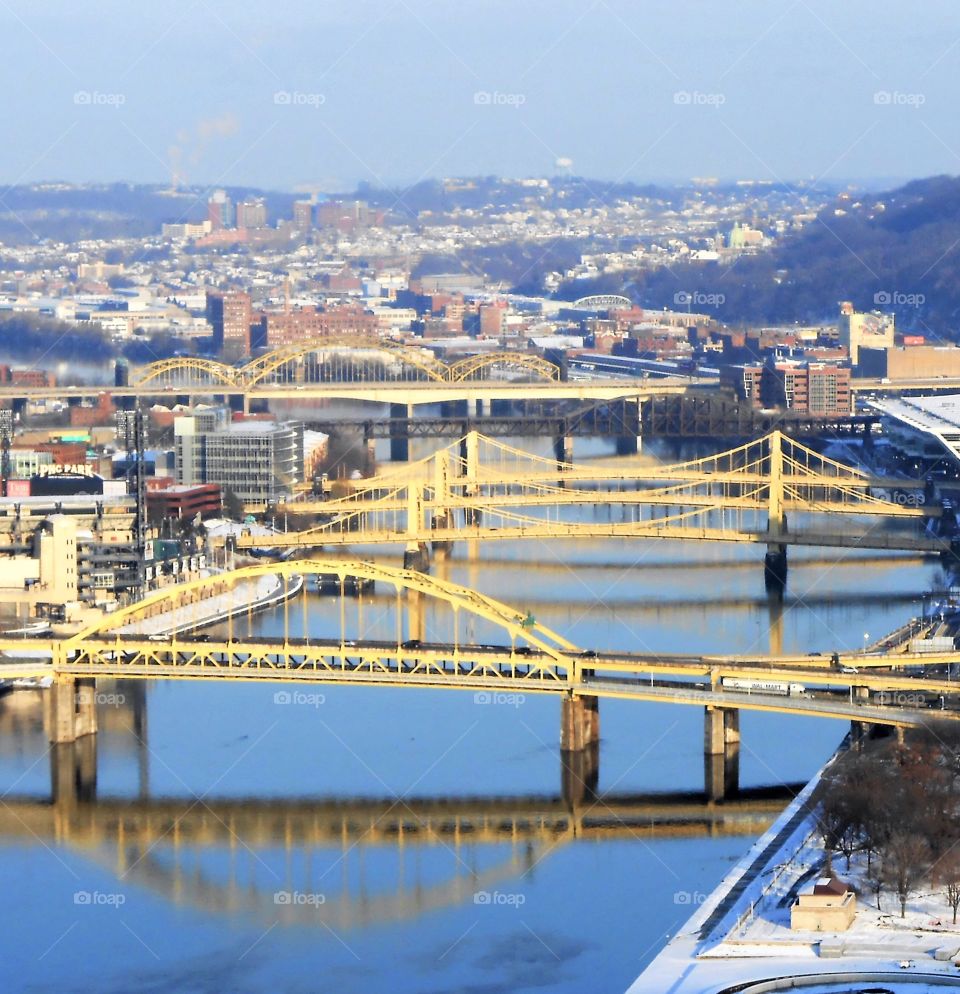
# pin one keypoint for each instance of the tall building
(303, 215)
(230, 315)
(856, 330)
(220, 212)
(260, 461)
(252, 214)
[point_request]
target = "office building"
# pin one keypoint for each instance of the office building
(259, 461)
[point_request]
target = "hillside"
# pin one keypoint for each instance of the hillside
(897, 251)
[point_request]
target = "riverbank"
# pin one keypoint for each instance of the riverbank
(741, 935)
(255, 594)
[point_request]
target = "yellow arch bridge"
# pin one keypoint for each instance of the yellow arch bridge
(519, 657)
(343, 361)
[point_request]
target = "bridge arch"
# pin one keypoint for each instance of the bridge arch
(458, 598)
(474, 367)
(603, 301)
(261, 369)
(184, 370)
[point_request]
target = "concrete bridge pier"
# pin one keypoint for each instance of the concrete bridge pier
(416, 556)
(400, 436)
(721, 752)
(70, 710)
(369, 449)
(563, 448)
(579, 747)
(629, 443)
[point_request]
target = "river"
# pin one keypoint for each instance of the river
(258, 912)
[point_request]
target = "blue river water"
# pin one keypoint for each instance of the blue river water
(84, 911)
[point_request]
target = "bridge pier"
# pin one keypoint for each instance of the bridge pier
(721, 752)
(70, 710)
(416, 556)
(630, 442)
(400, 437)
(579, 747)
(563, 448)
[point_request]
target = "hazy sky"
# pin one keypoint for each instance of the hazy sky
(329, 92)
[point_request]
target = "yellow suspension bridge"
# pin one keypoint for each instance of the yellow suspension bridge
(482, 489)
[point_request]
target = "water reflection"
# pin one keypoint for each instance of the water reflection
(334, 861)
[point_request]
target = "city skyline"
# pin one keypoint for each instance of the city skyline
(205, 93)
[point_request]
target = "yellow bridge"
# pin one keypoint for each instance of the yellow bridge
(522, 657)
(482, 489)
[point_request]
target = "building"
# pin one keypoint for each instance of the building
(184, 501)
(909, 362)
(830, 906)
(856, 330)
(252, 214)
(297, 327)
(303, 215)
(259, 461)
(220, 212)
(230, 315)
(816, 388)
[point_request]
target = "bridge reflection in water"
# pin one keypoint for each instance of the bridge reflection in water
(341, 862)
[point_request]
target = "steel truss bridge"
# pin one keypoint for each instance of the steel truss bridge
(660, 417)
(523, 657)
(482, 489)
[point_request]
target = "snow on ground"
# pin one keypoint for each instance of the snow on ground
(208, 610)
(742, 932)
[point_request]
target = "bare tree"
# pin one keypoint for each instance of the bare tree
(946, 872)
(905, 858)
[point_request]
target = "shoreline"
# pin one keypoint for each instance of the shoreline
(711, 953)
